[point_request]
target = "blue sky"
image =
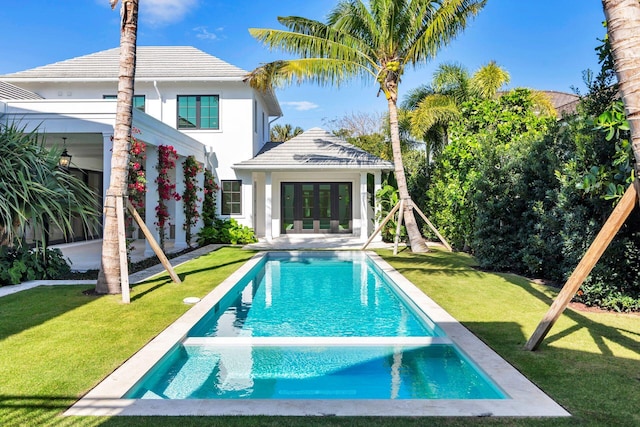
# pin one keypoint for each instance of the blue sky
(544, 44)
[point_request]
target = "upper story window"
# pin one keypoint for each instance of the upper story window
(138, 100)
(198, 112)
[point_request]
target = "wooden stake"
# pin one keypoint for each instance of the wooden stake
(122, 250)
(593, 254)
(433, 228)
(382, 224)
(398, 227)
(152, 242)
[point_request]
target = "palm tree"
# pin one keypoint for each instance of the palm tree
(622, 26)
(434, 107)
(282, 133)
(375, 41)
(109, 276)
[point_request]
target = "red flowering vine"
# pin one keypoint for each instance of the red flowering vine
(167, 157)
(136, 183)
(191, 169)
(209, 202)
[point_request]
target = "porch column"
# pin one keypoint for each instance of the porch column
(268, 216)
(180, 240)
(377, 186)
(364, 218)
(151, 198)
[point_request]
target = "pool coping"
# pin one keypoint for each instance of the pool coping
(526, 399)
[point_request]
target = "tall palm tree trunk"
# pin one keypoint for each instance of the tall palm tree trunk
(109, 276)
(413, 231)
(623, 22)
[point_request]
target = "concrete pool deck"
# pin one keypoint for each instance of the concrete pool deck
(526, 400)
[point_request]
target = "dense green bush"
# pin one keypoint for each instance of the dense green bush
(226, 231)
(19, 264)
(527, 194)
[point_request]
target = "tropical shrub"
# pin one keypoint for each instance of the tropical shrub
(35, 192)
(18, 263)
(226, 231)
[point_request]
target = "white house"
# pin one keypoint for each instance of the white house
(201, 106)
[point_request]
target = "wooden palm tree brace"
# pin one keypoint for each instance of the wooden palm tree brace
(122, 250)
(390, 215)
(398, 227)
(152, 242)
(433, 228)
(590, 258)
(382, 224)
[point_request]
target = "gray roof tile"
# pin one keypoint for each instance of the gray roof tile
(9, 91)
(313, 149)
(152, 63)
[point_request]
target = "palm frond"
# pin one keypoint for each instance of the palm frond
(323, 71)
(435, 27)
(433, 110)
(487, 81)
(415, 95)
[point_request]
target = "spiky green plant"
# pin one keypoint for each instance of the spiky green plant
(34, 191)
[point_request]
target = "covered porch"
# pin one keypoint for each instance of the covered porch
(85, 129)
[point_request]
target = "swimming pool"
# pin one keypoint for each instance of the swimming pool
(243, 366)
(315, 295)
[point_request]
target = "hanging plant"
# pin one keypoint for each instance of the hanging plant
(191, 169)
(167, 157)
(209, 202)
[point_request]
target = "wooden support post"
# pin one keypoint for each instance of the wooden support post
(382, 224)
(398, 227)
(122, 250)
(593, 254)
(433, 228)
(154, 245)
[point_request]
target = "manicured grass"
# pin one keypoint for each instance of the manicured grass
(56, 344)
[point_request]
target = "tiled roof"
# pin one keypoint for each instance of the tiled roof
(313, 149)
(564, 103)
(152, 63)
(9, 91)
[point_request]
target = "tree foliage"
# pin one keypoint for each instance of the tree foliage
(526, 193)
(282, 133)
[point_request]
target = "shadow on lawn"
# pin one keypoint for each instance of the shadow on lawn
(435, 261)
(183, 275)
(598, 331)
(27, 309)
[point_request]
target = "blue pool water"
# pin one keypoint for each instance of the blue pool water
(362, 372)
(319, 295)
(245, 347)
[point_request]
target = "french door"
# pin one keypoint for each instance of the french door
(316, 207)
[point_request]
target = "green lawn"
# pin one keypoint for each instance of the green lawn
(57, 343)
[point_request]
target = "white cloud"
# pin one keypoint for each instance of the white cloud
(301, 105)
(160, 12)
(203, 32)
